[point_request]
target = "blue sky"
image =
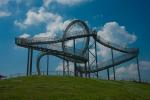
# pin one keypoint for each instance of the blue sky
(34, 17)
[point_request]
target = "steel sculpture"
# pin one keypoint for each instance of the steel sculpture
(75, 46)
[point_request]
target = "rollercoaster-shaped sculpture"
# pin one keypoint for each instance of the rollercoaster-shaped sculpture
(74, 46)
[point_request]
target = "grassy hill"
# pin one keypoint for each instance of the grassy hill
(71, 88)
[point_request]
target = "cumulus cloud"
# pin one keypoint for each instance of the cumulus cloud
(64, 2)
(3, 11)
(114, 33)
(54, 22)
(53, 28)
(36, 17)
(60, 67)
(70, 2)
(145, 65)
(130, 71)
(3, 2)
(46, 34)
(25, 35)
(47, 2)
(4, 14)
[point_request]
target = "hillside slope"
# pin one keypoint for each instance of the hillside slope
(71, 88)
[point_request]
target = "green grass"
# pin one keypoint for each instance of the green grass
(71, 88)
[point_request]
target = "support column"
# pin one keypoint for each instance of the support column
(89, 75)
(75, 72)
(64, 67)
(108, 74)
(96, 58)
(80, 74)
(63, 61)
(139, 75)
(28, 61)
(112, 55)
(85, 70)
(31, 55)
(68, 67)
(47, 64)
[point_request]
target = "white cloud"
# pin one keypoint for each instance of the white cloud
(114, 33)
(3, 11)
(130, 71)
(70, 2)
(145, 65)
(3, 2)
(25, 35)
(103, 51)
(46, 34)
(19, 24)
(52, 28)
(4, 14)
(60, 67)
(46, 3)
(36, 17)
(56, 25)
(54, 22)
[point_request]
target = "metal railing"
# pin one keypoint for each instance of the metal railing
(123, 48)
(103, 64)
(36, 40)
(58, 47)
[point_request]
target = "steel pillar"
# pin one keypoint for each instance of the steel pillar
(68, 67)
(80, 74)
(108, 74)
(63, 62)
(85, 70)
(89, 75)
(28, 61)
(31, 55)
(74, 47)
(47, 63)
(139, 75)
(96, 57)
(64, 67)
(112, 55)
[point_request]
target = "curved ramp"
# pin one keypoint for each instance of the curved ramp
(54, 49)
(130, 53)
(75, 30)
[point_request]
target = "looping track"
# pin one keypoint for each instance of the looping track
(56, 47)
